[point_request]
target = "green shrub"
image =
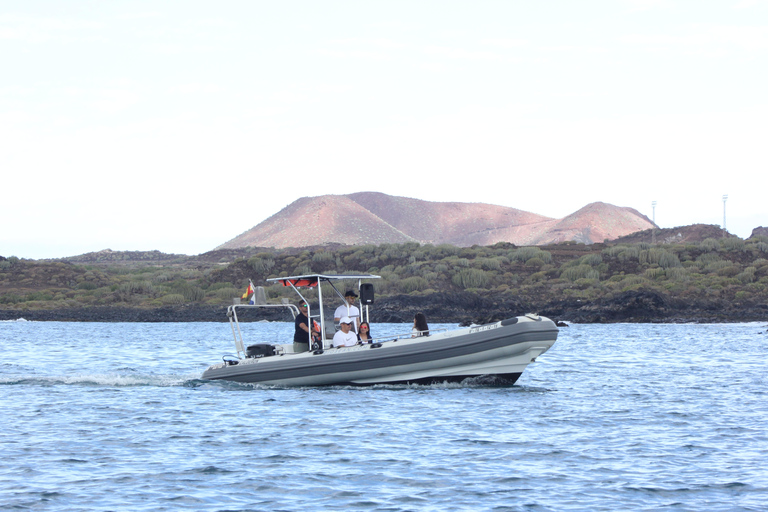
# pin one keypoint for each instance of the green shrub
(535, 262)
(623, 252)
(585, 282)
(10, 298)
(709, 245)
(488, 263)
(162, 277)
(633, 280)
(40, 295)
(190, 292)
(729, 271)
(747, 276)
(654, 273)
(523, 254)
(661, 257)
(319, 257)
(734, 244)
(669, 260)
(591, 259)
(172, 298)
(678, 274)
(137, 287)
(227, 293)
(614, 250)
(454, 261)
(470, 278)
(218, 286)
(580, 272)
(438, 252)
(707, 258)
(716, 266)
(262, 264)
(413, 284)
(302, 270)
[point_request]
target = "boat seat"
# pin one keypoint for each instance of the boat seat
(330, 330)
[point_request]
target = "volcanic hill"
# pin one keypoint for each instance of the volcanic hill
(375, 218)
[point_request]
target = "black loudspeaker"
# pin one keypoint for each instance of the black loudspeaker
(366, 294)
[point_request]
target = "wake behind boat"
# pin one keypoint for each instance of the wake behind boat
(500, 349)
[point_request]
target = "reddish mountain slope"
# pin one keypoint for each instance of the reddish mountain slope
(595, 222)
(375, 218)
(462, 224)
(318, 220)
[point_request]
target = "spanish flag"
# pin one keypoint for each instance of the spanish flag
(249, 291)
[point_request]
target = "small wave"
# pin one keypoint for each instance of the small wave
(469, 383)
(208, 470)
(692, 489)
(108, 380)
(14, 321)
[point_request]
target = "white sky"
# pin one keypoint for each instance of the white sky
(178, 125)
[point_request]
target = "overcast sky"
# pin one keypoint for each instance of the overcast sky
(176, 126)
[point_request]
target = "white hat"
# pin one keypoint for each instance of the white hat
(345, 320)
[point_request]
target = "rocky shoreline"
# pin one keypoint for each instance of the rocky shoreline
(459, 308)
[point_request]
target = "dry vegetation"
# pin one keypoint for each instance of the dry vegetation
(729, 269)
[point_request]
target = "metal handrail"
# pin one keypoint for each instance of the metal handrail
(235, 323)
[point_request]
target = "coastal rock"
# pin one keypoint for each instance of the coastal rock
(461, 308)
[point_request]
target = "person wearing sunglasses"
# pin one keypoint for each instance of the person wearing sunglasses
(345, 336)
(364, 336)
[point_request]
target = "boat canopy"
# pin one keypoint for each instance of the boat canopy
(311, 280)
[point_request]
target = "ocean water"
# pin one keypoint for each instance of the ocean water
(114, 416)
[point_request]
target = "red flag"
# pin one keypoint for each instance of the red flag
(249, 291)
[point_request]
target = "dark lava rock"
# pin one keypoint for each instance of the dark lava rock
(461, 308)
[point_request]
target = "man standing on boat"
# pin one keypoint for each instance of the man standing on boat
(348, 309)
(301, 334)
(345, 337)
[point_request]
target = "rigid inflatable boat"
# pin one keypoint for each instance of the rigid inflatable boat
(500, 350)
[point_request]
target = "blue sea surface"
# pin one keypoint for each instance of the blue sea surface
(115, 417)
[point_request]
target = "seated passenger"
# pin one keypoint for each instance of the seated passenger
(345, 337)
(364, 336)
(420, 327)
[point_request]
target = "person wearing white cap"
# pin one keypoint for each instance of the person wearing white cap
(345, 337)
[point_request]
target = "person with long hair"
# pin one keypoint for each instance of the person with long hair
(420, 327)
(364, 336)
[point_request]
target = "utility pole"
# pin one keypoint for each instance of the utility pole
(653, 228)
(725, 198)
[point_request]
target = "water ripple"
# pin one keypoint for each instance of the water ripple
(616, 417)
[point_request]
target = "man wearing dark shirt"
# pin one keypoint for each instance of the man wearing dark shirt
(301, 334)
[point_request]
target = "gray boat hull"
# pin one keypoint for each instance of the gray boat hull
(502, 349)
